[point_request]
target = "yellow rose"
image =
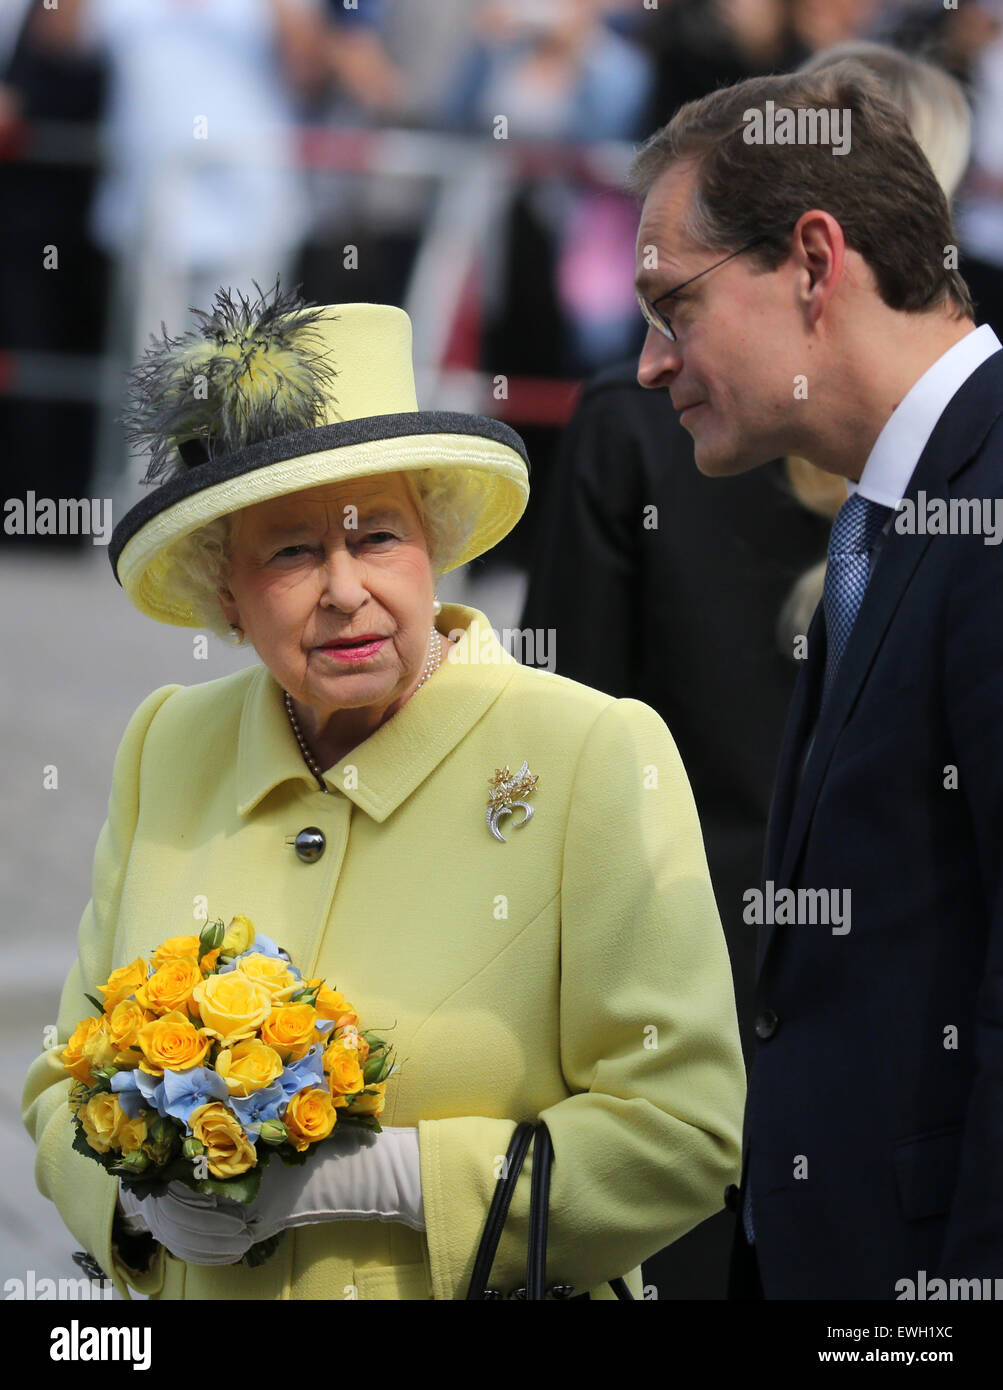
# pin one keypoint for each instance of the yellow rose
(123, 982)
(182, 948)
(309, 1117)
(102, 1118)
(228, 1151)
(370, 1101)
(239, 936)
(344, 1074)
(291, 1030)
(72, 1055)
(99, 1049)
(169, 989)
(133, 1133)
(231, 1006)
(123, 1025)
(272, 973)
(171, 1043)
(331, 1003)
(248, 1067)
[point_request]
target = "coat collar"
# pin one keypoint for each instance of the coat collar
(403, 752)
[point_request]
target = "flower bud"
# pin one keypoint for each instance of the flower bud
(192, 1147)
(376, 1068)
(162, 1131)
(211, 936)
(135, 1162)
(273, 1132)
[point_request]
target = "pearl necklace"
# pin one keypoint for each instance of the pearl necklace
(432, 663)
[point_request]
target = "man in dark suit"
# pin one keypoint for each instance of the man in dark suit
(796, 266)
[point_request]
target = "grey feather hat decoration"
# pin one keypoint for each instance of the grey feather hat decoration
(252, 370)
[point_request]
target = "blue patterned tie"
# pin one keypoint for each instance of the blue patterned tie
(854, 531)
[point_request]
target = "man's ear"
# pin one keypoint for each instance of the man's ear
(819, 249)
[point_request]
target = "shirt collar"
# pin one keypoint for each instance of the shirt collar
(897, 449)
(394, 760)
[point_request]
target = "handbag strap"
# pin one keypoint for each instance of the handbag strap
(539, 1213)
(526, 1131)
(500, 1203)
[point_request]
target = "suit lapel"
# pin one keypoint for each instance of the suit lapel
(797, 731)
(957, 436)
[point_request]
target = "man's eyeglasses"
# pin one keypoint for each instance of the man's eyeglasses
(658, 318)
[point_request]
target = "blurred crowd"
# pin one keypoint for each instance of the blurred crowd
(150, 153)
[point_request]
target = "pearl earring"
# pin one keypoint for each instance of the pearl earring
(236, 633)
(436, 607)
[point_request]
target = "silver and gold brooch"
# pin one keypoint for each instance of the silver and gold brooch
(506, 794)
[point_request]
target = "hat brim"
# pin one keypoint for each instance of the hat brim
(487, 458)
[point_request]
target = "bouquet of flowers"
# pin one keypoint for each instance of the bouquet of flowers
(215, 1055)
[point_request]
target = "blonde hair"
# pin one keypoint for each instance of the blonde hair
(202, 559)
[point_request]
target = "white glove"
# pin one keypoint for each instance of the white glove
(203, 1230)
(355, 1175)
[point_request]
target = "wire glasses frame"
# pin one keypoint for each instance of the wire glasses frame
(657, 318)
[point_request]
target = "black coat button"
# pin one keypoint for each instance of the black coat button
(767, 1024)
(731, 1196)
(310, 844)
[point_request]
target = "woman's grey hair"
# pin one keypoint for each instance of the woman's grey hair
(933, 101)
(447, 506)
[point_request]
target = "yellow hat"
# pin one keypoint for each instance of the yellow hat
(271, 397)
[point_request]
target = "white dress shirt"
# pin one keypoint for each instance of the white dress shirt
(897, 449)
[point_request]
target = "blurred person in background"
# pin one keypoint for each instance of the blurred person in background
(980, 214)
(700, 592)
(698, 45)
(52, 301)
(201, 185)
(557, 71)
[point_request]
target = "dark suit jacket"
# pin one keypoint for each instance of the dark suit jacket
(681, 616)
(879, 1071)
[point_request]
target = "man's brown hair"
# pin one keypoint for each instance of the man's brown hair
(881, 191)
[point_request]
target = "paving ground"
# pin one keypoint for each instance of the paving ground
(76, 661)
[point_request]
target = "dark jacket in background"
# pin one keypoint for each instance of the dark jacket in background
(683, 617)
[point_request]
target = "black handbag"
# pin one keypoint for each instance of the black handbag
(539, 1204)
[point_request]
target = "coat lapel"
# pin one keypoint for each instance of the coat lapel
(956, 438)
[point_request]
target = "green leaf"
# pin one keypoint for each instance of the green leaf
(82, 1147)
(91, 1000)
(240, 1189)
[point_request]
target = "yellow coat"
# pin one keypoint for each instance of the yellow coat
(577, 972)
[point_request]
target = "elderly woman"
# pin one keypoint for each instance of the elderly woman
(563, 961)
